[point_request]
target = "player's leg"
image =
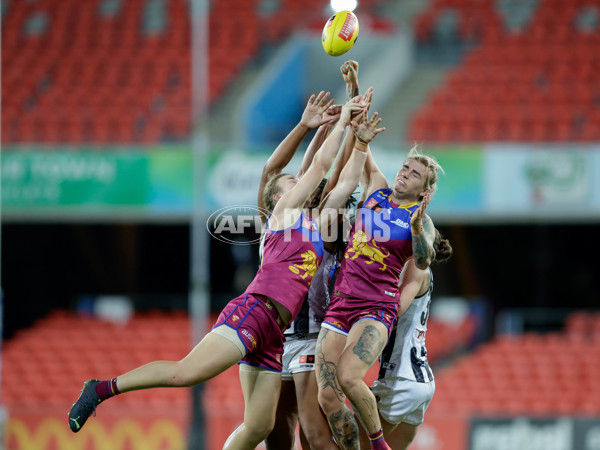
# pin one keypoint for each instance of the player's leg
(331, 397)
(366, 341)
(365, 444)
(210, 357)
(401, 436)
(407, 408)
(303, 441)
(283, 434)
(261, 389)
(388, 429)
(312, 420)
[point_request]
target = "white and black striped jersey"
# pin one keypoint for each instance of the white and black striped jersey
(316, 302)
(405, 354)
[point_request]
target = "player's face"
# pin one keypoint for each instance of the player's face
(286, 183)
(410, 180)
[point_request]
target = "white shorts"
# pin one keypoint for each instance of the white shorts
(402, 400)
(298, 356)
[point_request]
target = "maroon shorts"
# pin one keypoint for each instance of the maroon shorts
(344, 311)
(259, 327)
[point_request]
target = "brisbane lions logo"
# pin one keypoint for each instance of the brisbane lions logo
(373, 254)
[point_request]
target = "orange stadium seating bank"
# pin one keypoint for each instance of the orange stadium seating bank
(88, 76)
(120, 72)
(514, 391)
(531, 74)
(532, 374)
(44, 367)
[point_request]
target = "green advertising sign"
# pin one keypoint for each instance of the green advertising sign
(460, 187)
(107, 182)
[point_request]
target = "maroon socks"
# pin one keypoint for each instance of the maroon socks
(107, 388)
(377, 441)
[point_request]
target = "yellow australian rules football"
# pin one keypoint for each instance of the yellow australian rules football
(340, 33)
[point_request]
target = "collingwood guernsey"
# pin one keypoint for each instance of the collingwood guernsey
(405, 355)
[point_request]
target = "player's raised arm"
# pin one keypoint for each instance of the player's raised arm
(330, 117)
(412, 282)
(344, 154)
(350, 75)
(349, 72)
(365, 130)
(423, 235)
(295, 198)
(373, 177)
(312, 117)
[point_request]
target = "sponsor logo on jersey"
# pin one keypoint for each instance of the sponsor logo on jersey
(400, 223)
(235, 318)
(391, 294)
(250, 337)
(308, 224)
(371, 203)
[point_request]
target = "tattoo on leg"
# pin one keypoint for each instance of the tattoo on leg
(369, 345)
(357, 414)
(327, 372)
(344, 428)
(370, 419)
(321, 337)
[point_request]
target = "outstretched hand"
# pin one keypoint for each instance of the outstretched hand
(416, 221)
(352, 108)
(367, 96)
(313, 115)
(350, 71)
(332, 115)
(365, 129)
(350, 75)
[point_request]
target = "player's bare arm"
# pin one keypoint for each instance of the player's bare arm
(413, 283)
(340, 162)
(347, 145)
(330, 117)
(295, 198)
(373, 177)
(365, 130)
(423, 235)
(350, 74)
(312, 117)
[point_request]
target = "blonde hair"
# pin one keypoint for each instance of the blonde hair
(271, 188)
(430, 164)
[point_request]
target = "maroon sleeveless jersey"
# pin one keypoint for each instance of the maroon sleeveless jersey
(380, 244)
(289, 261)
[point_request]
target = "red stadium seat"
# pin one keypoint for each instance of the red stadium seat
(547, 65)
